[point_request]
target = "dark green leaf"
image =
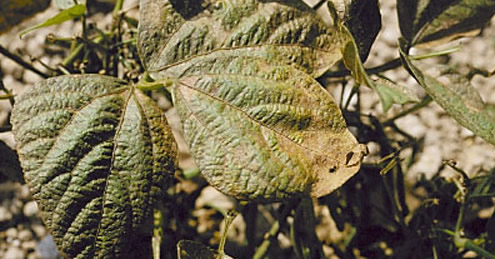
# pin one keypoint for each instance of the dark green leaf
(431, 20)
(457, 97)
(12, 12)
(257, 123)
(74, 12)
(9, 163)
(363, 19)
(96, 154)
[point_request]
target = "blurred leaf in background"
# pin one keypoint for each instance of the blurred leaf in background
(12, 12)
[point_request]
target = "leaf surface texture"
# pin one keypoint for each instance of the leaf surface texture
(96, 155)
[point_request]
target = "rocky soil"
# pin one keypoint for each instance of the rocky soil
(22, 234)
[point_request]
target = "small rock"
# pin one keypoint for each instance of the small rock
(12, 232)
(25, 235)
(39, 230)
(30, 209)
(24, 192)
(15, 253)
(5, 214)
(29, 245)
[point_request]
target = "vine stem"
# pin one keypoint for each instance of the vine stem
(21, 62)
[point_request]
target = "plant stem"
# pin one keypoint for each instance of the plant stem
(231, 215)
(394, 63)
(21, 62)
(416, 107)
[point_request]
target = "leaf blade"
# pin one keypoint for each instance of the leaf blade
(458, 98)
(261, 132)
(79, 166)
(73, 12)
(286, 33)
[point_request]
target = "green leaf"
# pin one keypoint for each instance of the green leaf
(281, 32)
(431, 20)
(96, 154)
(74, 12)
(390, 93)
(457, 97)
(258, 125)
(12, 12)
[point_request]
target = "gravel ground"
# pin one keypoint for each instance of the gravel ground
(22, 234)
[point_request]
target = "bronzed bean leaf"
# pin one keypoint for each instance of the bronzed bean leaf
(96, 154)
(257, 123)
(281, 32)
(263, 132)
(431, 20)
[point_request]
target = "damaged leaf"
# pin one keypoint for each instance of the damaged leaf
(257, 123)
(96, 154)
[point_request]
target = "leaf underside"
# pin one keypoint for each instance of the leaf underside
(257, 123)
(96, 155)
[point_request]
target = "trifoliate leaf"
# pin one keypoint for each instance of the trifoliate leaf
(457, 97)
(431, 20)
(96, 154)
(257, 123)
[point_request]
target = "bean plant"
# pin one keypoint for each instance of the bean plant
(247, 79)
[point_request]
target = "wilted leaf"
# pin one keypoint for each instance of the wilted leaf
(96, 154)
(429, 20)
(75, 11)
(259, 126)
(457, 97)
(12, 12)
(280, 32)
